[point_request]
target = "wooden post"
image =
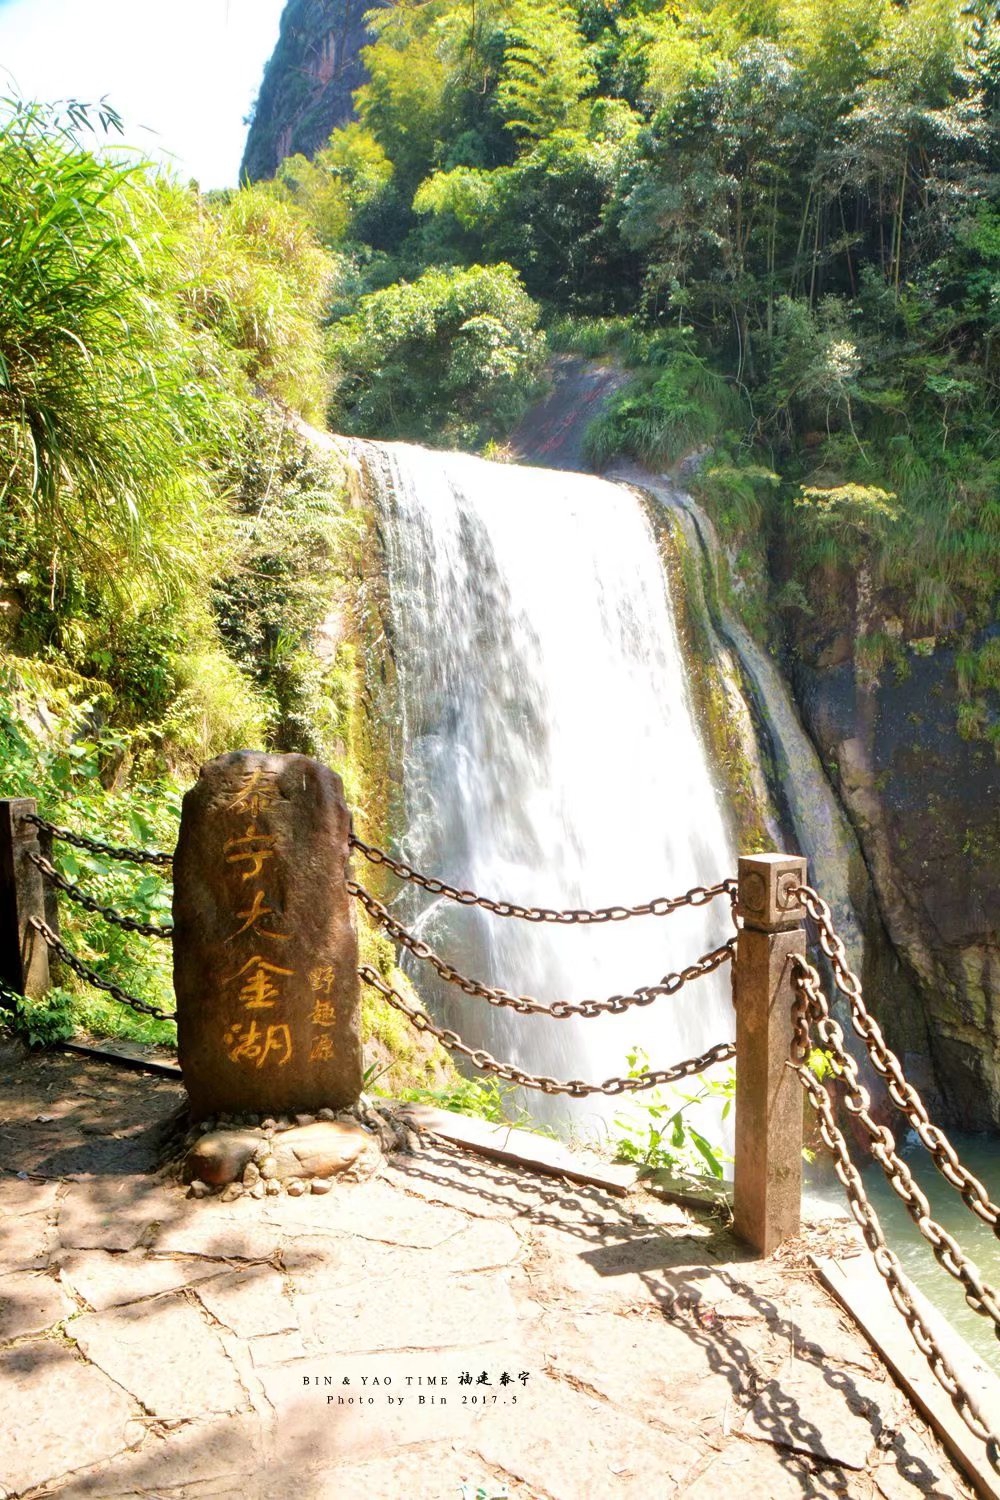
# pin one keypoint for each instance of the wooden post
(24, 957)
(767, 1182)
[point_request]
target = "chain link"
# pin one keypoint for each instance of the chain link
(979, 1296)
(85, 972)
(525, 1005)
(147, 929)
(888, 1266)
(885, 1062)
(575, 1087)
(801, 1043)
(113, 851)
(662, 906)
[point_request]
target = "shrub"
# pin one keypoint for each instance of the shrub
(450, 358)
(668, 410)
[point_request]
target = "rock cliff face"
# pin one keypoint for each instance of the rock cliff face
(308, 82)
(926, 806)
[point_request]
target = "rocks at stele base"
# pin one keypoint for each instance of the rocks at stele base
(264, 1156)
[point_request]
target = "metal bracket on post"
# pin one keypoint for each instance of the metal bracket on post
(767, 1186)
(24, 957)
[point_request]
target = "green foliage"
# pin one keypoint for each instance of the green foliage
(736, 493)
(46, 752)
(103, 414)
(139, 326)
(342, 183)
(820, 1063)
(448, 358)
(467, 194)
(978, 673)
(856, 514)
(874, 652)
(254, 277)
(296, 542)
(546, 71)
(404, 102)
(660, 1133)
(597, 338)
(42, 1022)
(486, 1098)
(168, 549)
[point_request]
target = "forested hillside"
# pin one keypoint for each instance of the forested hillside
(785, 220)
(785, 216)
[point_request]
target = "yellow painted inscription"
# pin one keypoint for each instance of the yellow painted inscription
(254, 915)
(258, 990)
(256, 1044)
(258, 792)
(322, 981)
(252, 849)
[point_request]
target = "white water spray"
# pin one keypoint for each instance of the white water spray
(551, 758)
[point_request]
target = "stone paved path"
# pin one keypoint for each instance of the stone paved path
(155, 1346)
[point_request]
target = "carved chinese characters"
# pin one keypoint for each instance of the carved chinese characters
(265, 954)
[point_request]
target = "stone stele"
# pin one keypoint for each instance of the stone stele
(265, 950)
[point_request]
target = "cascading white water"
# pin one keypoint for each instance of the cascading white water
(551, 758)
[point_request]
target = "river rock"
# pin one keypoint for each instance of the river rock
(220, 1157)
(265, 951)
(324, 1149)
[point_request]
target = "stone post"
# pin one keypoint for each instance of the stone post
(24, 957)
(769, 1100)
(265, 949)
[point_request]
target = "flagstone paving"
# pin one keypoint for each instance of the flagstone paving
(156, 1346)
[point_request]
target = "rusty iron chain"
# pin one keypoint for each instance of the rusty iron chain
(888, 1266)
(575, 1087)
(885, 1062)
(112, 851)
(662, 906)
(525, 1005)
(801, 1043)
(85, 972)
(948, 1253)
(146, 929)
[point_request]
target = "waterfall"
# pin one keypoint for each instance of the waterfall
(551, 757)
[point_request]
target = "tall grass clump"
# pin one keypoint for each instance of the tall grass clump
(677, 403)
(104, 422)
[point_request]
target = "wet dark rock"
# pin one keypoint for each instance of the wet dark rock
(926, 806)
